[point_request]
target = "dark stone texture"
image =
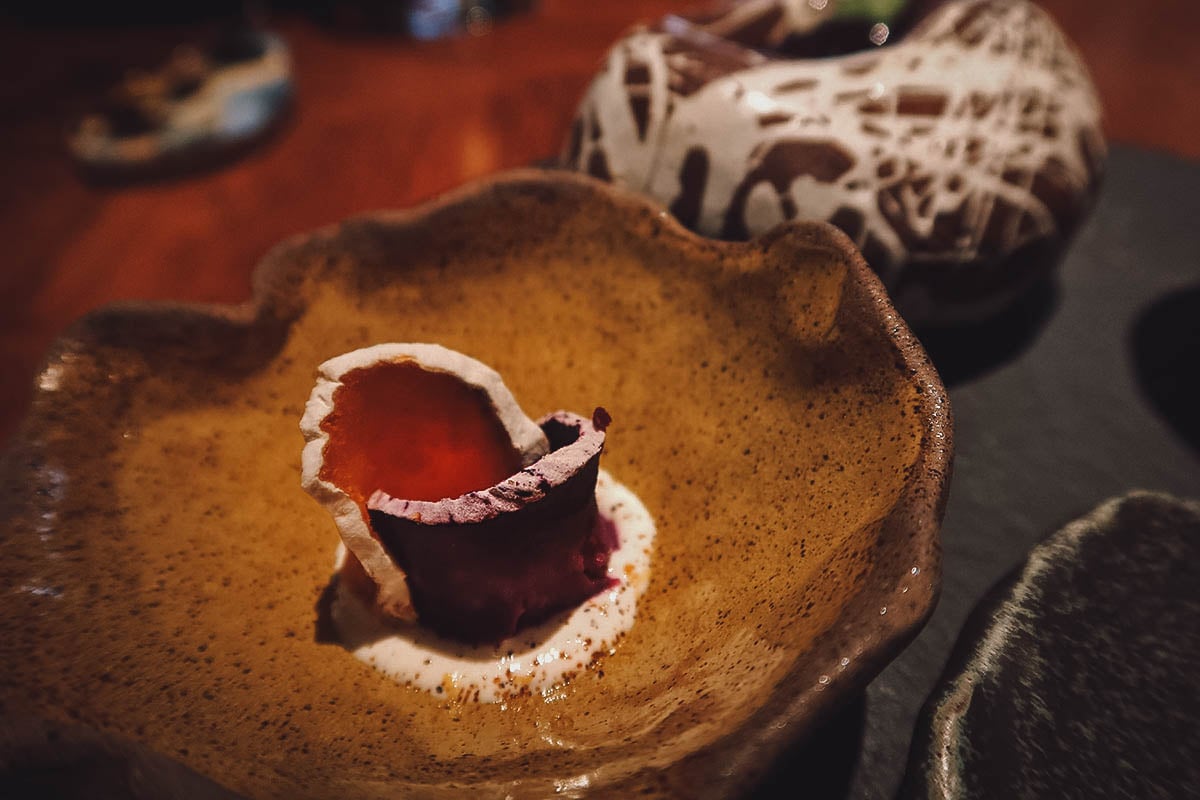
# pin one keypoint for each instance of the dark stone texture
(1051, 425)
(1075, 677)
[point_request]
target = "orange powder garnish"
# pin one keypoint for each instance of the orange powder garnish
(413, 433)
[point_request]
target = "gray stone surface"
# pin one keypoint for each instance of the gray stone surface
(1053, 416)
(1076, 676)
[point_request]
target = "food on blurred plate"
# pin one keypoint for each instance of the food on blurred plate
(484, 555)
(203, 104)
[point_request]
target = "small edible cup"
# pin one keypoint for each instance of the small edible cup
(458, 510)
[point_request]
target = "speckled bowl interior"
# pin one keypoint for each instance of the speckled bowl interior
(161, 566)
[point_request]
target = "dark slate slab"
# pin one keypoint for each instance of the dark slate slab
(1072, 398)
(1076, 675)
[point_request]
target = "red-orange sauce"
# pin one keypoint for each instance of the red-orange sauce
(415, 434)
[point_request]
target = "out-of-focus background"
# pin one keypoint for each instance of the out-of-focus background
(381, 120)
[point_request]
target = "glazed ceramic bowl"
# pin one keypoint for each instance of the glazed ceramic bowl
(162, 567)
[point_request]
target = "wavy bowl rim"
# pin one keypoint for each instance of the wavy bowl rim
(736, 763)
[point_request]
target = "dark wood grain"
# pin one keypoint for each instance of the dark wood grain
(380, 122)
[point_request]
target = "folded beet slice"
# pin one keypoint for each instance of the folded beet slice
(456, 509)
(485, 564)
(415, 420)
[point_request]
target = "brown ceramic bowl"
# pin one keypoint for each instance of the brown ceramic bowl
(161, 566)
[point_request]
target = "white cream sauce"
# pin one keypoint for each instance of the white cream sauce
(537, 660)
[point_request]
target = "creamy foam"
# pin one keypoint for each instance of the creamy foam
(537, 659)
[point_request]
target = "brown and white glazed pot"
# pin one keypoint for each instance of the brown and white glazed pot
(958, 158)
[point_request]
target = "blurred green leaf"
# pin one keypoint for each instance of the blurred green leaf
(874, 10)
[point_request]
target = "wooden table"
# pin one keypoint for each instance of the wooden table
(380, 122)
(384, 122)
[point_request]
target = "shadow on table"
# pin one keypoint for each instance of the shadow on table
(964, 352)
(822, 767)
(41, 759)
(1165, 341)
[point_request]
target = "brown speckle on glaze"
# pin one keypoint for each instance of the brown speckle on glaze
(155, 531)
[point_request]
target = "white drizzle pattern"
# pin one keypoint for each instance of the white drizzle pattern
(976, 135)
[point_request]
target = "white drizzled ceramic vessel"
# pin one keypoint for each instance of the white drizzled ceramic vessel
(958, 159)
